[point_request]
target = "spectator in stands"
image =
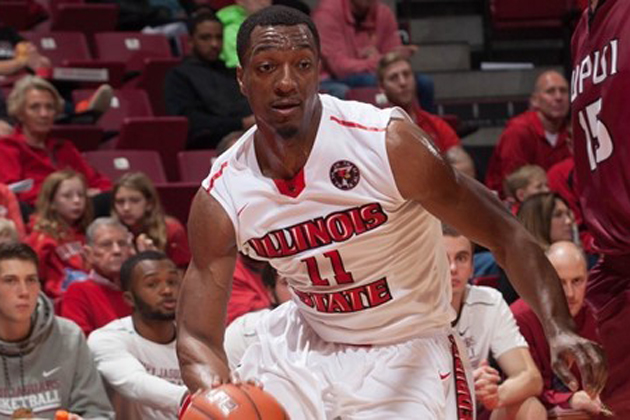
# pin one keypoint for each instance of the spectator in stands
(232, 17)
(562, 180)
(355, 34)
(204, 90)
(523, 183)
(538, 136)
(30, 153)
(10, 209)
(396, 79)
(570, 264)
(99, 300)
(241, 333)
(8, 232)
(6, 126)
(136, 354)
(63, 213)
(17, 54)
(136, 204)
(486, 327)
(547, 216)
(46, 363)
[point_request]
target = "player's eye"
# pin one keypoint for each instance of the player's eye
(265, 67)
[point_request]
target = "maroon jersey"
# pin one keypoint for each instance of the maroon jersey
(600, 103)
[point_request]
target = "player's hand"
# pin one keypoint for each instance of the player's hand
(581, 401)
(487, 385)
(144, 243)
(567, 348)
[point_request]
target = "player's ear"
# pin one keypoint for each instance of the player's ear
(128, 297)
(239, 78)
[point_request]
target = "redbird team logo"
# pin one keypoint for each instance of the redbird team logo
(344, 175)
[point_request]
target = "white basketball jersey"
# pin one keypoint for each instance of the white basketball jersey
(365, 265)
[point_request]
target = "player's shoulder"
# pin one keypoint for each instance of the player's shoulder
(361, 116)
(118, 328)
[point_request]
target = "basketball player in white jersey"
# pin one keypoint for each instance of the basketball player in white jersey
(343, 200)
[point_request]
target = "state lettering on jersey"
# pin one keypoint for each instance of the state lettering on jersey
(355, 299)
(334, 228)
(596, 67)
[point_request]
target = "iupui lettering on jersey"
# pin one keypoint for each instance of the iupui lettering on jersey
(356, 299)
(43, 396)
(597, 66)
(333, 228)
(465, 406)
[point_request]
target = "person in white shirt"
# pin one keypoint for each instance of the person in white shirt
(136, 355)
(487, 328)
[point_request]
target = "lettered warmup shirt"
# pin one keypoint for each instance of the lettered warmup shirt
(365, 265)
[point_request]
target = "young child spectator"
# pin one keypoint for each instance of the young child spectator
(487, 329)
(99, 300)
(63, 212)
(136, 204)
(570, 264)
(523, 183)
(30, 152)
(136, 354)
(46, 363)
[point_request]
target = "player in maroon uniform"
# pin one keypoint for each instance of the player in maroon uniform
(600, 97)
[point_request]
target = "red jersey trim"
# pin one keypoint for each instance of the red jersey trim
(351, 124)
(291, 187)
(216, 176)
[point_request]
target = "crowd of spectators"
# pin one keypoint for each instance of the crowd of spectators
(103, 255)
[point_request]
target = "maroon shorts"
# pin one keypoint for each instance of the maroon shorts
(608, 291)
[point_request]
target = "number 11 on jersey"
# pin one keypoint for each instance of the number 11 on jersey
(341, 275)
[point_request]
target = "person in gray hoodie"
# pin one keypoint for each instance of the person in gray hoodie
(45, 364)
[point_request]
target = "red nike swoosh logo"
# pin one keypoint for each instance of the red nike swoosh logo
(446, 375)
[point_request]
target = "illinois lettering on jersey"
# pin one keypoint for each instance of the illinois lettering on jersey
(351, 247)
(600, 92)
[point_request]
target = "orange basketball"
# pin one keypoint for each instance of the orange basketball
(234, 402)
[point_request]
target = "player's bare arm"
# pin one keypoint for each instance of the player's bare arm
(204, 294)
(422, 175)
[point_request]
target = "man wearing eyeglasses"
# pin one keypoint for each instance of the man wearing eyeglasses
(99, 300)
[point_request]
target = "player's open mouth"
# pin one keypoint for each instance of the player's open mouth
(286, 106)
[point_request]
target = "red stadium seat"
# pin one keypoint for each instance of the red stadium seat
(84, 137)
(115, 163)
(15, 14)
(176, 198)
(167, 135)
(131, 47)
(125, 103)
(60, 47)
(184, 44)
(115, 70)
(152, 81)
(194, 165)
(88, 18)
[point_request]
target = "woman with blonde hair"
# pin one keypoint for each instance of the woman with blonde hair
(63, 212)
(137, 205)
(30, 152)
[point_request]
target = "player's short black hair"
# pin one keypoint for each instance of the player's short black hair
(18, 251)
(199, 17)
(272, 16)
(126, 270)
